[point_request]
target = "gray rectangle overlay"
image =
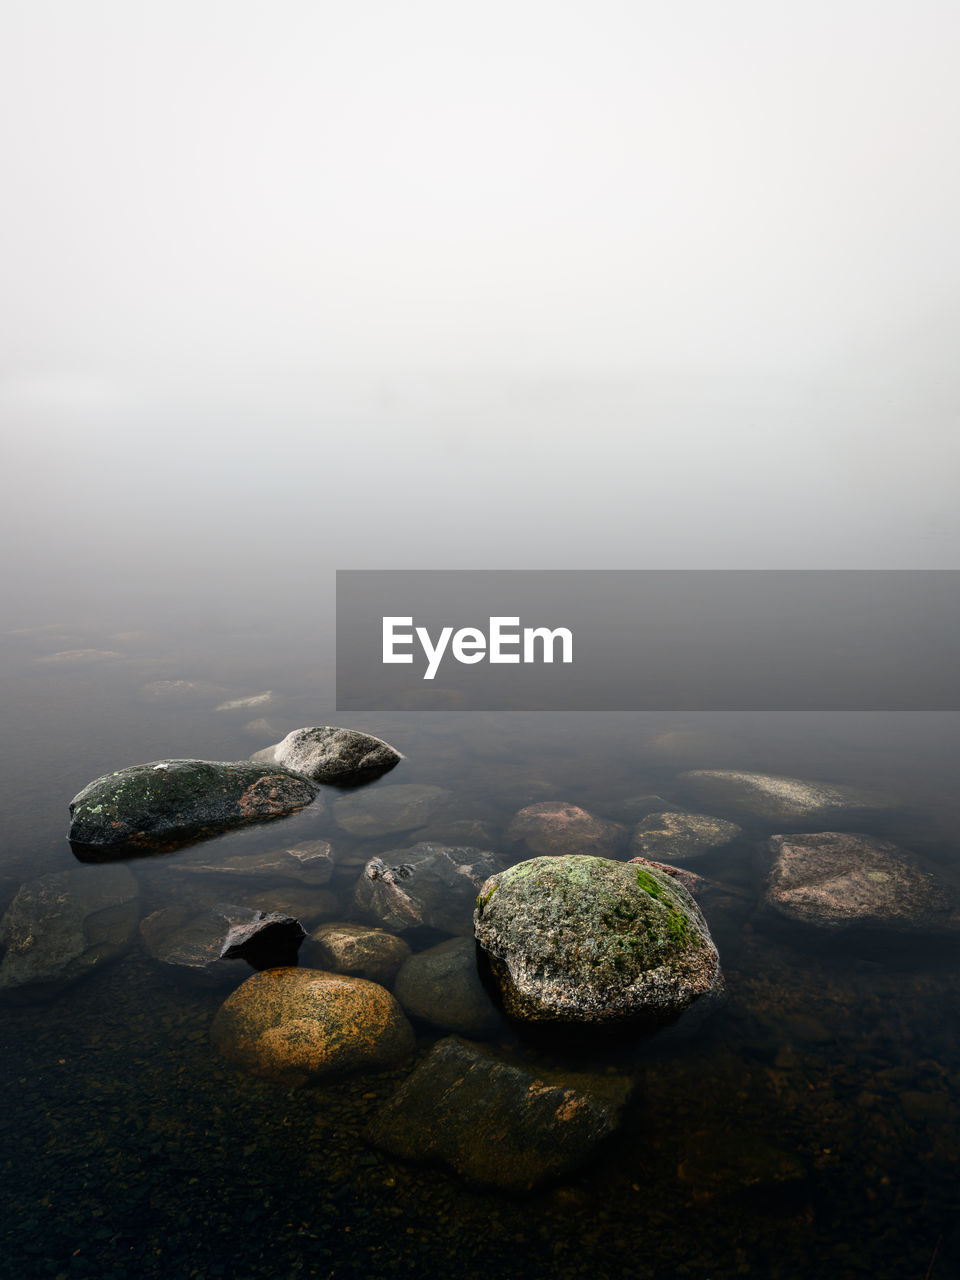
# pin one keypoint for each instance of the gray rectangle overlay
(648, 640)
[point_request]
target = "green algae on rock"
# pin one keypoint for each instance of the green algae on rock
(163, 805)
(577, 940)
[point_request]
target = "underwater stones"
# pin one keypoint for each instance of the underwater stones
(60, 927)
(309, 863)
(397, 807)
(577, 940)
(168, 803)
(679, 835)
(443, 987)
(767, 795)
(837, 879)
(330, 754)
(221, 943)
(359, 950)
(427, 884)
(293, 1026)
(554, 827)
(492, 1122)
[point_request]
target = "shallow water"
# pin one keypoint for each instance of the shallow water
(808, 1128)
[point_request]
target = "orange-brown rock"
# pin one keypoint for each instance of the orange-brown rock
(554, 827)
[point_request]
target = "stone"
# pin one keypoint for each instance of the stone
(555, 827)
(308, 863)
(577, 940)
(295, 1026)
(244, 704)
(693, 883)
(442, 986)
(769, 796)
(327, 753)
(382, 810)
(427, 884)
(221, 943)
(494, 1123)
(164, 805)
(836, 880)
(62, 926)
(374, 954)
(679, 835)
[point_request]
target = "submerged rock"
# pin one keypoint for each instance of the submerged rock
(293, 1026)
(554, 827)
(840, 879)
(678, 835)
(493, 1123)
(767, 795)
(308, 863)
(60, 927)
(330, 754)
(428, 884)
(382, 810)
(359, 950)
(693, 883)
(161, 806)
(578, 940)
(442, 986)
(222, 943)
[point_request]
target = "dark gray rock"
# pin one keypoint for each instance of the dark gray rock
(427, 884)
(379, 811)
(222, 943)
(577, 940)
(63, 926)
(676, 836)
(442, 986)
(494, 1123)
(770, 796)
(161, 806)
(327, 753)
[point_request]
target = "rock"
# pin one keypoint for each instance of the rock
(61, 926)
(680, 835)
(769, 796)
(428, 884)
(553, 827)
(178, 693)
(308, 863)
(442, 986)
(329, 754)
(243, 704)
(578, 940)
(169, 803)
(294, 1026)
(693, 883)
(78, 657)
(222, 943)
(837, 879)
(476, 832)
(305, 904)
(356, 948)
(382, 810)
(633, 808)
(494, 1123)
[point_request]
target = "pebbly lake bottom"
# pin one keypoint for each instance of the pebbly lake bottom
(809, 1127)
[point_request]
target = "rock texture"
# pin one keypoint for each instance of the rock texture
(357, 949)
(579, 940)
(840, 879)
(680, 835)
(427, 884)
(169, 803)
(494, 1123)
(442, 986)
(222, 943)
(62, 926)
(767, 795)
(382, 810)
(293, 1026)
(330, 754)
(309, 863)
(554, 827)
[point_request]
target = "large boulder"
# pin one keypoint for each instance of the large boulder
(327, 753)
(839, 879)
(678, 835)
(427, 884)
(62, 926)
(220, 944)
(400, 806)
(494, 1123)
(555, 827)
(578, 940)
(293, 1026)
(442, 986)
(374, 954)
(161, 806)
(770, 796)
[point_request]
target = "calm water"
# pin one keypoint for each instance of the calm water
(808, 1129)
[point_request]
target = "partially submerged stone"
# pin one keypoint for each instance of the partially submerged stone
(555, 827)
(220, 944)
(427, 884)
(379, 811)
(295, 1026)
(358, 949)
(62, 926)
(837, 880)
(492, 1122)
(693, 883)
(330, 754)
(442, 986)
(163, 805)
(578, 940)
(770, 796)
(677, 835)
(310, 862)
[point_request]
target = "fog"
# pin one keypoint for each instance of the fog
(302, 286)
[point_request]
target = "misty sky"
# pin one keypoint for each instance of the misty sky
(434, 284)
